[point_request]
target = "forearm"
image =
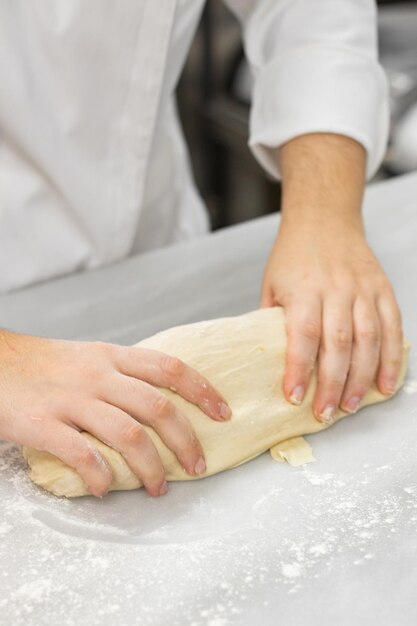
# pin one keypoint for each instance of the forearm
(341, 311)
(323, 177)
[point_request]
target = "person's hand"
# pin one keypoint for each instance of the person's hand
(341, 312)
(52, 390)
(340, 307)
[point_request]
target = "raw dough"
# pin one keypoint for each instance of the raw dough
(296, 452)
(243, 357)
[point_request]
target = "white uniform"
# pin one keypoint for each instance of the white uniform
(93, 165)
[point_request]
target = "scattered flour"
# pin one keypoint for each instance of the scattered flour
(410, 386)
(5, 528)
(34, 591)
(319, 549)
(291, 570)
(58, 553)
(316, 479)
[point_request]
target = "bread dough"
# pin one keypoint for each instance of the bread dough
(244, 358)
(296, 452)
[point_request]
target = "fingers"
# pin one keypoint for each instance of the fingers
(77, 452)
(167, 371)
(391, 344)
(120, 431)
(334, 358)
(358, 347)
(365, 354)
(151, 407)
(303, 325)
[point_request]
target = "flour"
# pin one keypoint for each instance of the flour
(5, 528)
(319, 549)
(34, 591)
(177, 561)
(410, 386)
(291, 570)
(315, 479)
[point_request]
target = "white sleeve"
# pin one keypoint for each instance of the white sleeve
(316, 69)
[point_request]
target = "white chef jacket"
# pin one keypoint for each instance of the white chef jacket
(93, 165)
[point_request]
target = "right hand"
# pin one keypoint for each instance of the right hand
(51, 390)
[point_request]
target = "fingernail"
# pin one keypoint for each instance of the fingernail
(390, 386)
(200, 466)
(328, 414)
(225, 411)
(297, 395)
(163, 488)
(352, 405)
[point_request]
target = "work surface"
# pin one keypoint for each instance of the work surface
(330, 543)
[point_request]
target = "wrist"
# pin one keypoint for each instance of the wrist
(319, 223)
(323, 178)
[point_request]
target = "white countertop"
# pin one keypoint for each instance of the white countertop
(330, 543)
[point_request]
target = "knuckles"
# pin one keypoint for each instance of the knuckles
(88, 457)
(369, 334)
(92, 377)
(161, 407)
(395, 363)
(342, 339)
(102, 348)
(133, 435)
(173, 368)
(310, 330)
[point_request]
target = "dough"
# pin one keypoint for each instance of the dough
(296, 452)
(244, 358)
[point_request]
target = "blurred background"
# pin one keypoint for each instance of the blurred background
(214, 99)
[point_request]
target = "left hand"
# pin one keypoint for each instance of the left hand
(341, 312)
